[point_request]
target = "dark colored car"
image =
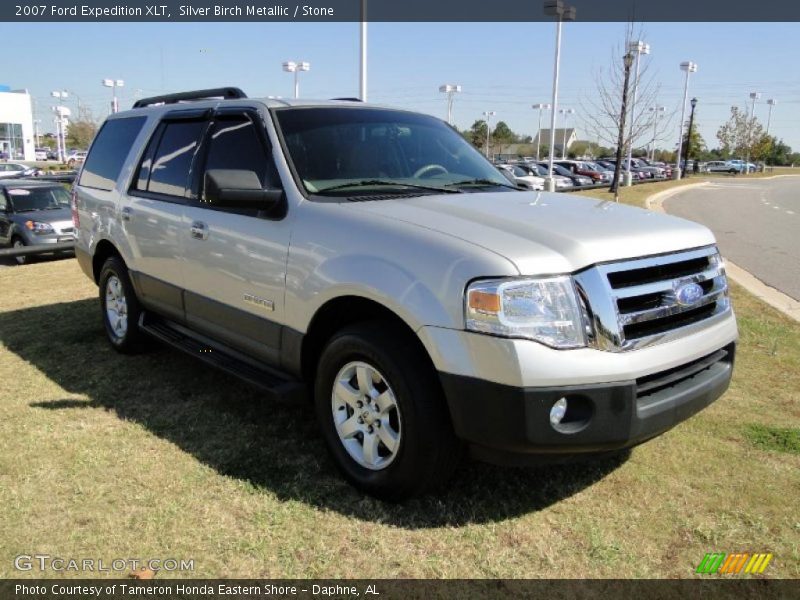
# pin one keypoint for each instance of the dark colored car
(577, 180)
(34, 213)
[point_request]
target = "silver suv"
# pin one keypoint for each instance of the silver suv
(372, 261)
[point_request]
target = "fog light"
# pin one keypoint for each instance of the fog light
(558, 411)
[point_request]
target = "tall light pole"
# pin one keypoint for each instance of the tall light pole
(566, 112)
(689, 67)
(771, 102)
(488, 114)
(113, 84)
(627, 63)
(562, 12)
(36, 123)
(362, 86)
(638, 47)
(61, 112)
(655, 110)
(753, 96)
(541, 107)
(689, 134)
(451, 91)
(291, 66)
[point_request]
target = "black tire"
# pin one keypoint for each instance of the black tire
(131, 340)
(428, 450)
(18, 242)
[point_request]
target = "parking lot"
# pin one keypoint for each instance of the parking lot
(158, 456)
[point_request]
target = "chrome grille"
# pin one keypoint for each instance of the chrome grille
(640, 302)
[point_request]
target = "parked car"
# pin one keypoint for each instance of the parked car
(41, 153)
(523, 177)
(723, 166)
(34, 213)
(13, 170)
(562, 183)
(577, 180)
(372, 259)
(743, 166)
(75, 158)
(636, 172)
(583, 169)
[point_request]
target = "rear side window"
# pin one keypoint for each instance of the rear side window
(165, 168)
(109, 150)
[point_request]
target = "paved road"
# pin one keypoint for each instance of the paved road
(757, 224)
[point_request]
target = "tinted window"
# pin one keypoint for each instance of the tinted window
(234, 143)
(168, 170)
(109, 150)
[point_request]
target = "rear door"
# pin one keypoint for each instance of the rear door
(234, 265)
(152, 214)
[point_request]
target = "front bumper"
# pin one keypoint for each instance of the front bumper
(511, 425)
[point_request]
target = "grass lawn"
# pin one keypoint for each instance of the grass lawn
(156, 456)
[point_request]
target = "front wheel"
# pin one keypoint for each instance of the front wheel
(120, 307)
(382, 413)
(19, 244)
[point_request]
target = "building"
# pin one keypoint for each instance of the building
(16, 124)
(543, 139)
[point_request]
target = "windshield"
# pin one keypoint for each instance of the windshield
(30, 199)
(342, 151)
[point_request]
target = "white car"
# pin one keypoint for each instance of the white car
(8, 170)
(524, 177)
(75, 158)
(41, 154)
(562, 183)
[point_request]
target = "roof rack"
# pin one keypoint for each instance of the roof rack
(226, 93)
(348, 99)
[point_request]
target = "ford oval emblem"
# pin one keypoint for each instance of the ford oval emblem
(688, 293)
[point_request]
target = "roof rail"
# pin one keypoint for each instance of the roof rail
(348, 99)
(226, 93)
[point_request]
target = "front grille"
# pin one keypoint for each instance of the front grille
(649, 300)
(650, 385)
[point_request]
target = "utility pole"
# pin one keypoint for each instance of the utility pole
(488, 114)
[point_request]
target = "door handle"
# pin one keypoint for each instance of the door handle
(126, 213)
(199, 230)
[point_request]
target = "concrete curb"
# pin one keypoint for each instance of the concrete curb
(775, 298)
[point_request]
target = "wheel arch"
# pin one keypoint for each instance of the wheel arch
(102, 251)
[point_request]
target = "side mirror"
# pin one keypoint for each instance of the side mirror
(235, 188)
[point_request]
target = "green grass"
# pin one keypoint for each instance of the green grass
(155, 455)
(779, 439)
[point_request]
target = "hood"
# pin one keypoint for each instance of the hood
(543, 232)
(58, 217)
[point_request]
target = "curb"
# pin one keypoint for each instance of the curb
(775, 298)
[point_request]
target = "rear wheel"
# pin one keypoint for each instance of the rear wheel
(120, 307)
(382, 413)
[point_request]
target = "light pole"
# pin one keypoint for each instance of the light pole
(562, 12)
(488, 114)
(655, 110)
(113, 84)
(539, 131)
(753, 96)
(689, 135)
(291, 66)
(363, 53)
(639, 47)
(627, 62)
(566, 112)
(689, 67)
(451, 91)
(771, 102)
(61, 113)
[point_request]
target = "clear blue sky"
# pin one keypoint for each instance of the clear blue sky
(502, 66)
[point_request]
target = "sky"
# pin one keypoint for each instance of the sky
(502, 67)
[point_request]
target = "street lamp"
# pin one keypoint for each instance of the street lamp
(113, 84)
(689, 135)
(488, 114)
(771, 102)
(291, 66)
(627, 61)
(566, 112)
(451, 91)
(753, 96)
(655, 110)
(639, 47)
(61, 112)
(541, 107)
(562, 12)
(363, 54)
(689, 67)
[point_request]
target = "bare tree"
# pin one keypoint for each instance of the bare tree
(603, 107)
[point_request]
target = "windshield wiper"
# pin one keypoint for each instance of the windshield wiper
(372, 182)
(483, 182)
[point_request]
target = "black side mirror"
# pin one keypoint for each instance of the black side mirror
(236, 188)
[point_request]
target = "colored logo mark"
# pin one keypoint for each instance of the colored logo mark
(734, 564)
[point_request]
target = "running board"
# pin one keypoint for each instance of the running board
(278, 385)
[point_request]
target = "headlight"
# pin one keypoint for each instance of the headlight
(38, 227)
(544, 310)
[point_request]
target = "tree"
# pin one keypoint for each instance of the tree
(696, 146)
(477, 134)
(502, 135)
(80, 134)
(742, 136)
(779, 152)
